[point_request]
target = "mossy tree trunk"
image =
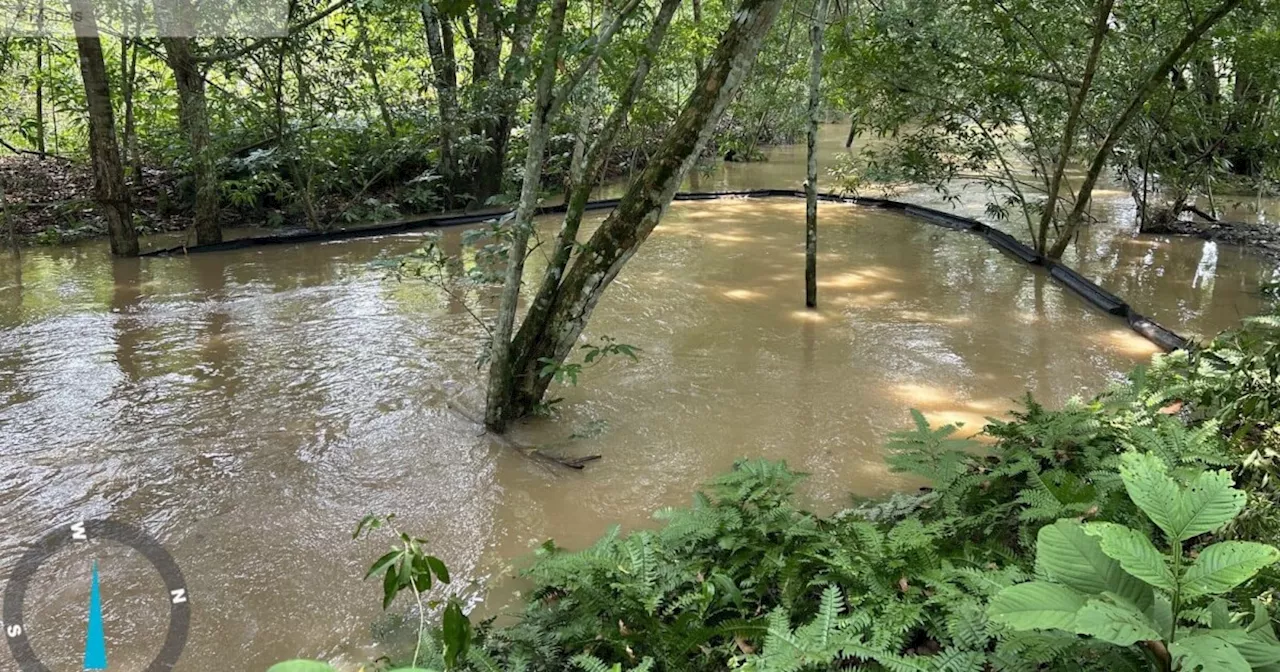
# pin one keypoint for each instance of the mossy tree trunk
(177, 28)
(108, 172)
(639, 211)
(549, 100)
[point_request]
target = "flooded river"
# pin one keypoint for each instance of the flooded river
(248, 407)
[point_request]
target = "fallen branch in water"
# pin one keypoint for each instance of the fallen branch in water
(1197, 211)
(526, 450)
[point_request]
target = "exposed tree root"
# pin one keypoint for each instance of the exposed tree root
(532, 452)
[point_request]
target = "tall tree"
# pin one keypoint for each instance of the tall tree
(548, 102)
(495, 103)
(1101, 21)
(177, 26)
(108, 172)
(629, 225)
(444, 68)
(1153, 79)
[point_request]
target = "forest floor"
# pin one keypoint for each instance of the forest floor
(50, 200)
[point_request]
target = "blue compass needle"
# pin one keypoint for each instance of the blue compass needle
(95, 640)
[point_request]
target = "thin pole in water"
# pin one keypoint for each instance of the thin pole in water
(811, 181)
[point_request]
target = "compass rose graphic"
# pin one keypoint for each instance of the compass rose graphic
(95, 643)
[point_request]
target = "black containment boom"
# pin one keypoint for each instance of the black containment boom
(1074, 282)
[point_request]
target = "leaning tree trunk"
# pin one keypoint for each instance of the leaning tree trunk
(590, 168)
(496, 417)
(811, 181)
(1121, 124)
(1100, 27)
(548, 102)
(108, 173)
(627, 227)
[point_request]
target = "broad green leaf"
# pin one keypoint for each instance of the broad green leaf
(390, 586)
(1161, 614)
(382, 563)
(1134, 551)
(1258, 649)
(1220, 615)
(456, 630)
(301, 666)
(1117, 623)
(438, 568)
(1207, 653)
(1225, 565)
(1149, 486)
(1036, 605)
(1207, 504)
(1261, 624)
(1066, 554)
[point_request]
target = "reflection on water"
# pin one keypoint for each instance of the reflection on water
(249, 406)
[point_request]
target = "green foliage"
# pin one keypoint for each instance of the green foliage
(1111, 583)
(1046, 464)
(407, 566)
(1231, 386)
(568, 372)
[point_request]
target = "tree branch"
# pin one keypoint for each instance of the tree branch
(257, 44)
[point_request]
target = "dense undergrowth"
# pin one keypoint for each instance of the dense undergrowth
(1128, 532)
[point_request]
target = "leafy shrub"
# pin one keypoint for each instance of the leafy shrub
(1111, 583)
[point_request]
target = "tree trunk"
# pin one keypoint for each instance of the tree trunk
(577, 162)
(40, 84)
(496, 408)
(627, 227)
(177, 35)
(548, 103)
(130, 144)
(371, 69)
(10, 226)
(491, 167)
(108, 173)
(699, 62)
(193, 117)
(582, 182)
(811, 181)
(1100, 23)
(133, 155)
(1121, 124)
(853, 130)
(444, 68)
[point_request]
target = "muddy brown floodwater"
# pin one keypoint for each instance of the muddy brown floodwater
(249, 407)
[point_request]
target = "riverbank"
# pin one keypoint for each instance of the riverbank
(1263, 239)
(50, 201)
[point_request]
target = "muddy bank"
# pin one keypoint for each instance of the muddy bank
(1262, 239)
